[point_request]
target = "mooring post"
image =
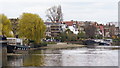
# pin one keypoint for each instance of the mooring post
(0, 55)
(4, 55)
(3, 52)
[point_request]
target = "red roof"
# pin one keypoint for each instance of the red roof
(69, 23)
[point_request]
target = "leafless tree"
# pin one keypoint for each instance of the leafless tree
(90, 31)
(54, 14)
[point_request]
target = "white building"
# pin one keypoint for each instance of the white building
(64, 27)
(73, 29)
(15, 41)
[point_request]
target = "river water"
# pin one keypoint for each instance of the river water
(66, 57)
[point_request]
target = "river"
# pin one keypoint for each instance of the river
(65, 57)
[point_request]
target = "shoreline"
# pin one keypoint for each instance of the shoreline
(61, 46)
(51, 46)
(64, 46)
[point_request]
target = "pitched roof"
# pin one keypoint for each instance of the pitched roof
(69, 23)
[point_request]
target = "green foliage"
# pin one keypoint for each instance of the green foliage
(99, 37)
(81, 35)
(116, 41)
(63, 37)
(31, 27)
(47, 37)
(68, 36)
(50, 42)
(5, 26)
(39, 45)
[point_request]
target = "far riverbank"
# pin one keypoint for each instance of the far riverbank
(61, 46)
(65, 45)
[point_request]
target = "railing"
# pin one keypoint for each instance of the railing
(3, 42)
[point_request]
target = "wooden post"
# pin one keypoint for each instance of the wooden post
(0, 55)
(3, 51)
(4, 55)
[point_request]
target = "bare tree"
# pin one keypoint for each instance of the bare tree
(90, 31)
(54, 14)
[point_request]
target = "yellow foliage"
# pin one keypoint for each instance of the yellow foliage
(31, 26)
(5, 26)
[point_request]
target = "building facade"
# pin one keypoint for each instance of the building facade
(109, 30)
(54, 29)
(14, 41)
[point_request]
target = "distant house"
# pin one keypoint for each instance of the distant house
(53, 29)
(81, 25)
(48, 29)
(14, 41)
(56, 29)
(100, 30)
(109, 30)
(117, 31)
(72, 25)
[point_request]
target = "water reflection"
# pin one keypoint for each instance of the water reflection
(53, 60)
(90, 57)
(33, 60)
(14, 60)
(66, 57)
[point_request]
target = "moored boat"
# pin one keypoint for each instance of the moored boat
(104, 42)
(90, 43)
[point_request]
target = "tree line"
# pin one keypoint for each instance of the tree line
(30, 26)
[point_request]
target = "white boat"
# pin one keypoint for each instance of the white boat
(103, 41)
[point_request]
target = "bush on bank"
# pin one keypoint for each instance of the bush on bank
(50, 42)
(116, 41)
(38, 45)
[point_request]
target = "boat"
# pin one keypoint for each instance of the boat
(12, 48)
(90, 43)
(104, 42)
(17, 49)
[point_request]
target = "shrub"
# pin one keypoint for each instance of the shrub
(40, 45)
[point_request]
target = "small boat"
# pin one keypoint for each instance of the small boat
(90, 43)
(102, 42)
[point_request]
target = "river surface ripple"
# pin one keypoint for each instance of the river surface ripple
(66, 57)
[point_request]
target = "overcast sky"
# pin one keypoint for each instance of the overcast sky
(101, 11)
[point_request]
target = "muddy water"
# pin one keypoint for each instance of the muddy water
(66, 57)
